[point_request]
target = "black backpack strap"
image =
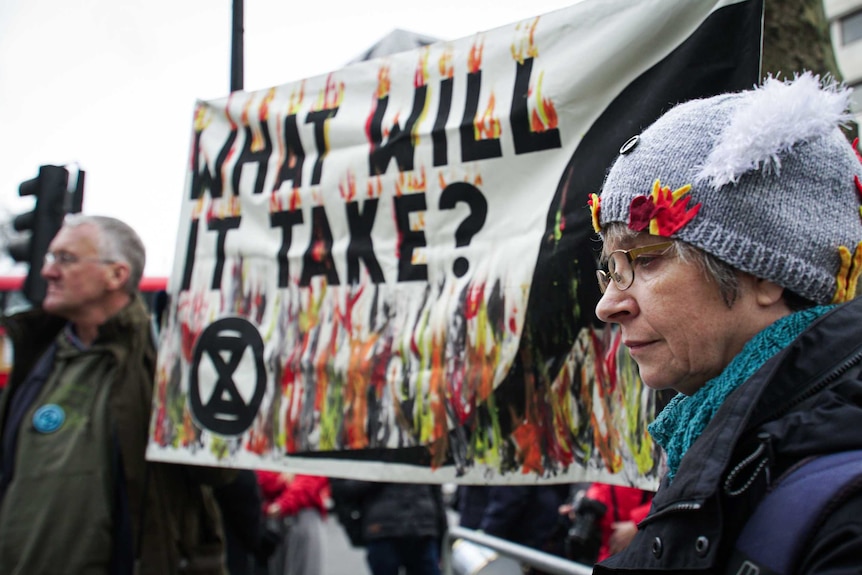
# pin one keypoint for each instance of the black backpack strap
(788, 515)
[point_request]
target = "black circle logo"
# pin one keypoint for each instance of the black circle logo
(226, 343)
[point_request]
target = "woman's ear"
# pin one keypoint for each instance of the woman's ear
(768, 293)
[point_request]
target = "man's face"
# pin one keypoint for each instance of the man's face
(77, 277)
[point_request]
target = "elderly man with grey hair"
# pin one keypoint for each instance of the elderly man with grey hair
(76, 493)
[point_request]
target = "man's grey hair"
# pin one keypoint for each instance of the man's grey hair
(117, 242)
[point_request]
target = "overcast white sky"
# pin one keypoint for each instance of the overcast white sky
(111, 84)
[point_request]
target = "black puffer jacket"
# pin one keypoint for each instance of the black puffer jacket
(805, 401)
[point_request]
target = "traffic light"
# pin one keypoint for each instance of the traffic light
(59, 191)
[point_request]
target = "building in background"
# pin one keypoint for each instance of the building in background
(845, 27)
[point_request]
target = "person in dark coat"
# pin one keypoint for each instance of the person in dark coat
(472, 500)
(528, 515)
(77, 493)
(733, 244)
(403, 524)
(240, 504)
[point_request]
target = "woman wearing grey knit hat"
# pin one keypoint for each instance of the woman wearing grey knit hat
(732, 240)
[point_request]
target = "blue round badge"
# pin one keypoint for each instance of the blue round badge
(49, 418)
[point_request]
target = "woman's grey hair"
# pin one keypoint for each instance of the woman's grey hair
(118, 242)
(716, 270)
(723, 274)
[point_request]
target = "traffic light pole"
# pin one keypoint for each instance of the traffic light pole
(58, 191)
(236, 52)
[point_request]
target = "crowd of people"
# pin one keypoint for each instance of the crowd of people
(402, 527)
(732, 249)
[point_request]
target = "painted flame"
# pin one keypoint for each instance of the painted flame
(222, 208)
(447, 69)
(524, 45)
(384, 83)
(280, 202)
(487, 126)
(474, 58)
(420, 78)
(202, 118)
(331, 96)
(544, 115)
(347, 187)
(295, 101)
(264, 105)
(411, 182)
(374, 187)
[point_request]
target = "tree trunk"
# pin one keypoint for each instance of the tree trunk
(796, 37)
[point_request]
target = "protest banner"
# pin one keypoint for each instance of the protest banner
(388, 271)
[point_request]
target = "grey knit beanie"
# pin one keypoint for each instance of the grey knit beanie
(763, 180)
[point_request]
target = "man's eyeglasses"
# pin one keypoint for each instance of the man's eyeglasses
(64, 259)
(620, 268)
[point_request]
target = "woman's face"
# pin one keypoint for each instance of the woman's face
(675, 322)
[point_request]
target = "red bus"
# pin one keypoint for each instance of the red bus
(12, 300)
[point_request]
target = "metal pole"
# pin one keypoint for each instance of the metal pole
(544, 561)
(236, 56)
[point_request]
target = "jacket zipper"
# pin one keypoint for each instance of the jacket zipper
(681, 506)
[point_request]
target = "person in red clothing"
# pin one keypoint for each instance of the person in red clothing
(605, 519)
(300, 501)
(625, 508)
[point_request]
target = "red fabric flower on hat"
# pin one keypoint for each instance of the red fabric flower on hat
(664, 212)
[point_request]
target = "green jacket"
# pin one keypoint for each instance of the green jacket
(59, 509)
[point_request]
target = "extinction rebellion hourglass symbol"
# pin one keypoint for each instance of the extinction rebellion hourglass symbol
(223, 346)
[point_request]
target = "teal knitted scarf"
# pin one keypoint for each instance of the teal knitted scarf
(679, 424)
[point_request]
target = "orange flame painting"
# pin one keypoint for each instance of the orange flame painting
(202, 118)
(474, 57)
(544, 115)
(277, 203)
(227, 113)
(420, 78)
(198, 208)
(222, 208)
(447, 70)
(384, 82)
(475, 179)
(257, 143)
(294, 103)
(374, 188)
(525, 46)
(347, 187)
(411, 181)
(331, 96)
(487, 126)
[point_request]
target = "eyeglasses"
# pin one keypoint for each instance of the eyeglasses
(620, 268)
(64, 259)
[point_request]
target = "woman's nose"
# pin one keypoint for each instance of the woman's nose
(615, 305)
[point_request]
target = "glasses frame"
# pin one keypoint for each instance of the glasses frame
(605, 277)
(65, 259)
